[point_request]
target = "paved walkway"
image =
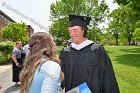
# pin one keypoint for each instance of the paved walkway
(6, 80)
(4, 68)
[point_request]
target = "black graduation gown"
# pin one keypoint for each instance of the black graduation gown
(93, 67)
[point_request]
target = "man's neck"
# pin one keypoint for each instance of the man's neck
(82, 40)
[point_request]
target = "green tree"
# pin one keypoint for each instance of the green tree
(134, 4)
(137, 34)
(60, 11)
(113, 29)
(124, 21)
(135, 7)
(15, 31)
(95, 34)
(59, 30)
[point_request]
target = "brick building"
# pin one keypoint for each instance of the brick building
(5, 20)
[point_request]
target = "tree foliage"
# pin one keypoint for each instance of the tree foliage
(5, 55)
(15, 31)
(137, 34)
(134, 4)
(124, 19)
(128, 14)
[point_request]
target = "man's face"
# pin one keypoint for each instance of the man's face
(76, 34)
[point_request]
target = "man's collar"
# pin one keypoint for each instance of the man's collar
(82, 45)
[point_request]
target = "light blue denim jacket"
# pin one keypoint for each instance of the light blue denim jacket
(46, 79)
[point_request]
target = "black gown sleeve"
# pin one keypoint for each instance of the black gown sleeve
(62, 67)
(61, 59)
(109, 83)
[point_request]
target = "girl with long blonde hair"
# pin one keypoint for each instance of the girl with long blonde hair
(41, 71)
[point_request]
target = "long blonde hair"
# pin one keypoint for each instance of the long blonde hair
(41, 44)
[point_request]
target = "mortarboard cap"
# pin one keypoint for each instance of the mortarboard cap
(82, 21)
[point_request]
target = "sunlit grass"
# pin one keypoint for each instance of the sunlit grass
(126, 63)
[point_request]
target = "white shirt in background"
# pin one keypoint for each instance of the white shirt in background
(26, 49)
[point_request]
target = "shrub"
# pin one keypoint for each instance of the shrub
(3, 60)
(5, 50)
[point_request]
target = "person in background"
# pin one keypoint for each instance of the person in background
(16, 62)
(86, 61)
(41, 71)
(26, 49)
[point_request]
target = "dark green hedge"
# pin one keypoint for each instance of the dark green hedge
(3, 60)
(5, 51)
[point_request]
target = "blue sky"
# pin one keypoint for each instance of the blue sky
(33, 12)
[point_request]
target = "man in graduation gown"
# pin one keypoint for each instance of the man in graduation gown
(86, 61)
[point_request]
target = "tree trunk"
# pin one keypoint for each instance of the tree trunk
(129, 39)
(117, 37)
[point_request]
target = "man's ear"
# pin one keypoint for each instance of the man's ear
(83, 33)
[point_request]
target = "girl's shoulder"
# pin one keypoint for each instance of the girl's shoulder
(51, 63)
(52, 69)
(51, 66)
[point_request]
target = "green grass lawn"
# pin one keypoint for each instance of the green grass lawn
(126, 63)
